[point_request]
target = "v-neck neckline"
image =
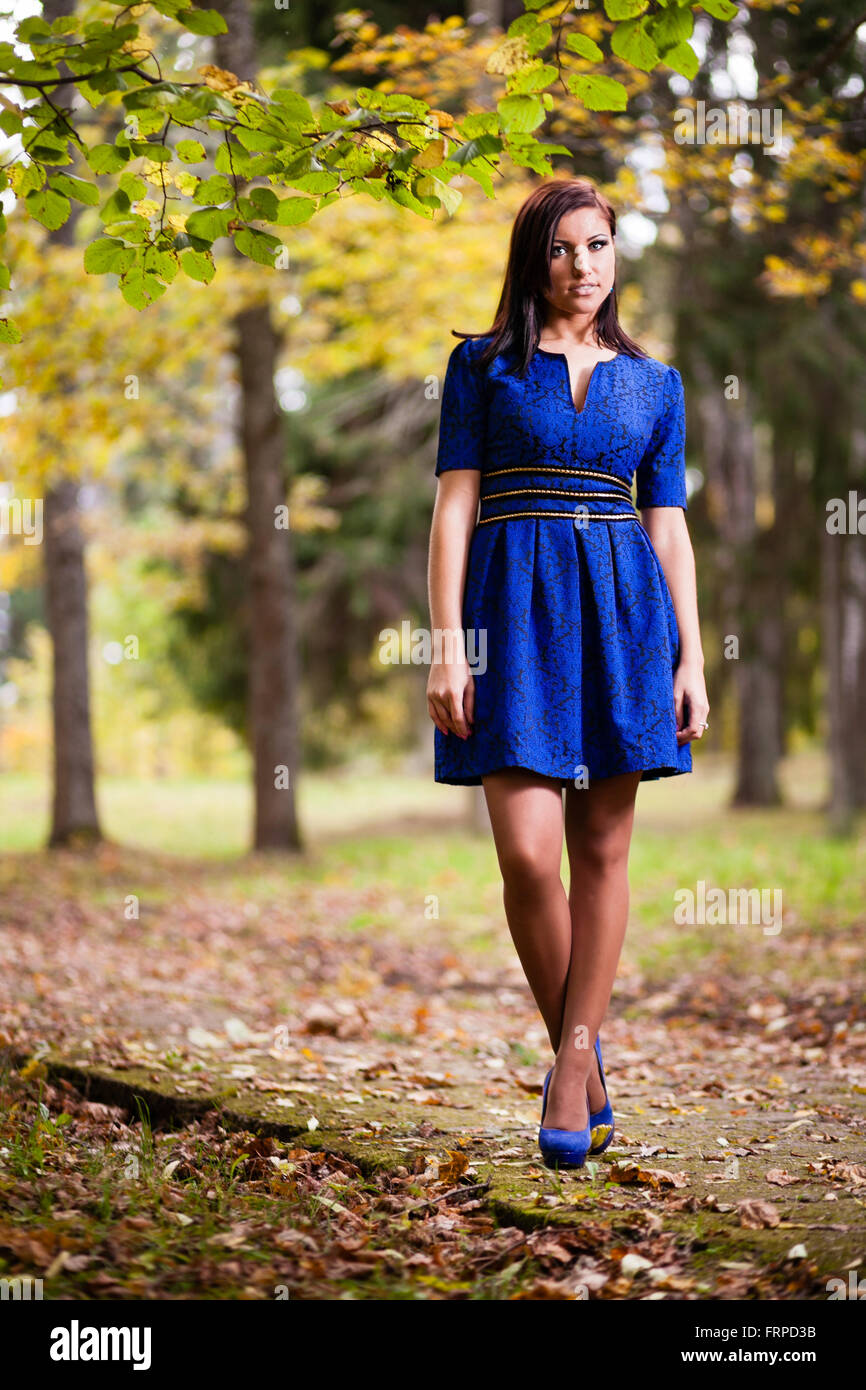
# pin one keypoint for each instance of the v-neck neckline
(602, 362)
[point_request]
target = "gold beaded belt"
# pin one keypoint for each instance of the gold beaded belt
(618, 494)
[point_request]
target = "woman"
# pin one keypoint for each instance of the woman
(586, 614)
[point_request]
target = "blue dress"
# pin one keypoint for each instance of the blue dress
(571, 633)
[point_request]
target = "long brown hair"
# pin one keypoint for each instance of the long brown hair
(520, 315)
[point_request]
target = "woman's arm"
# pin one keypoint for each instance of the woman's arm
(450, 687)
(669, 534)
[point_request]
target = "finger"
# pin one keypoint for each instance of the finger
(458, 721)
(469, 703)
(435, 712)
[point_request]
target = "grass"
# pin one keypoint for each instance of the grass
(403, 845)
(388, 859)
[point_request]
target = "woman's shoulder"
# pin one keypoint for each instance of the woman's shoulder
(659, 383)
(467, 349)
(652, 368)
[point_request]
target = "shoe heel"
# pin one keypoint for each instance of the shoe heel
(563, 1148)
(601, 1122)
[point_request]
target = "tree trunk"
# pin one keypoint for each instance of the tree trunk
(273, 674)
(843, 636)
(273, 649)
(751, 599)
(73, 817)
(854, 664)
(488, 14)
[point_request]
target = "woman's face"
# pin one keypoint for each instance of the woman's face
(582, 263)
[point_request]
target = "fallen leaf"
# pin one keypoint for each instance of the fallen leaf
(756, 1215)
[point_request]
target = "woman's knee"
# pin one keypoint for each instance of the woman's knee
(604, 846)
(524, 864)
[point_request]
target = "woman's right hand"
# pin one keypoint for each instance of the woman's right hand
(451, 697)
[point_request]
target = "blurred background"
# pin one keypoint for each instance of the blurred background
(190, 658)
(227, 877)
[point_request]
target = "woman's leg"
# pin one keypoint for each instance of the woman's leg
(598, 826)
(527, 821)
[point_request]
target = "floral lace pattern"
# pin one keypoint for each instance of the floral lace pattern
(565, 598)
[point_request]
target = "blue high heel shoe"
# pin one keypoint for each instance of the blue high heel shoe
(600, 1121)
(563, 1148)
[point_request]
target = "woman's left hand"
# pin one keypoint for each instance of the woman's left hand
(690, 700)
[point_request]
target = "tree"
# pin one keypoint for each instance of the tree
(385, 145)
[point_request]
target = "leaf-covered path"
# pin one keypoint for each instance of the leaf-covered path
(358, 1090)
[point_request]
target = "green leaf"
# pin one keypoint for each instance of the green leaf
(5, 277)
(683, 59)
(632, 43)
(523, 24)
(585, 47)
(216, 189)
(291, 104)
(257, 139)
(672, 26)
(521, 114)
(719, 9)
(257, 246)
(134, 229)
(202, 21)
(151, 149)
(133, 186)
(450, 198)
(107, 257)
(48, 207)
(539, 38)
(266, 203)
(10, 124)
(482, 175)
(315, 182)
(532, 79)
(190, 151)
(529, 153)
(476, 148)
(597, 92)
(479, 123)
(140, 289)
(114, 207)
(50, 149)
(9, 331)
(624, 9)
(108, 159)
(294, 210)
(209, 223)
(80, 189)
(198, 265)
(156, 261)
(27, 178)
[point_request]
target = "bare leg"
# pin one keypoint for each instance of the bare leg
(598, 826)
(527, 819)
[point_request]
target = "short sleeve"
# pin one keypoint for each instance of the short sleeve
(463, 414)
(661, 473)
